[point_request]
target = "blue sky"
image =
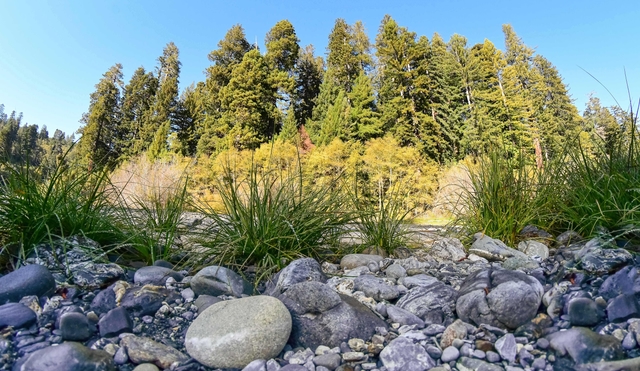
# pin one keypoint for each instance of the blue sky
(52, 53)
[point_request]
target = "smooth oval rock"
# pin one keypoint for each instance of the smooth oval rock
(351, 261)
(142, 349)
(29, 280)
(69, 356)
(75, 327)
(216, 280)
(155, 275)
(585, 346)
(16, 315)
(300, 270)
(231, 334)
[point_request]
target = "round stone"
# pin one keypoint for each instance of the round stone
(450, 354)
(233, 333)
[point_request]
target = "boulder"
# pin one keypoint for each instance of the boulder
(16, 315)
(215, 280)
(499, 297)
(375, 287)
(584, 312)
(142, 350)
(624, 281)
(351, 261)
(403, 317)
(585, 346)
(534, 249)
(402, 354)
(595, 258)
(623, 307)
(447, 250)
(75, 327)
(231, 334)
(300, 270)
(28, 280)
(115, 322)
(492, 249)
(205, 301)
(146, 300)
(456, 330)
(68, 356)
(155, 275)
(433, 302)
(323, 317)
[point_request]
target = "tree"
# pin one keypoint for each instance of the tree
(137, 128)
(98, 144)
(166, 103)
(309, 75)
(602, 123)
(347, 54)
(364, 119)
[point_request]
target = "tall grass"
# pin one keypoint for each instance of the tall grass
(270, 219)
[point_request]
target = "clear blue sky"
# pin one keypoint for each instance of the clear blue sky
(52, 53)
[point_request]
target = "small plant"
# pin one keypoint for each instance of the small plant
(270, 219)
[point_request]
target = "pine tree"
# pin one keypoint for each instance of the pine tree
(98, 145)
(601, 123)
(137, 113)
(309, 75)
(289, 132)
(166, 103)
(336, 120)
(364, 119)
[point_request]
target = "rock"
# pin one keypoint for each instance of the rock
(115, 322)
(146, 300)
(568, 237)
(595, 259)
(449, 354)
(493, 357)
(143, 350)
(16, 315)
(584, 312)
(507, 348)
(625, 281)
(417, 280)
(585, 346)
(625, 365)
(257, 365)
(91, 276)
(499, 297)
(233, 333)
(329, 360)
(323, 317)
(104, 301)
(456, 330)
(623, 307)
(146, 367)
(535, 328)
(520, 262)
(216, 280)
(473, 364)
(375, 288)
(403, 317)
(300, 270)
(401, 354)
(534, 249)
(205, 301)
(155, 275)
(447, 250)
(75, 327)
(629, 342)
(428, 301)
(492, 249)
(28, 280)
(293, 368)
(68, 356)
(533, 232)
(351, 261)
(395, 271)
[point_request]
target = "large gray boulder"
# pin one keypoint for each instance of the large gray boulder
(323, 317)
(402, 354)
(375, 287)
(215, 280)
(499, 297)
(433, 302)
(29, 280)
(447, 250)
(68, 356)
(585, 346)
(231, 334)
(300, 270)
(595, 258)
(492, 249)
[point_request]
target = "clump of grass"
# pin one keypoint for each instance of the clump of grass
(503, 195)
(270, 219)
(35, 208)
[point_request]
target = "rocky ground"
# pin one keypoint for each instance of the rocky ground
(551, 304)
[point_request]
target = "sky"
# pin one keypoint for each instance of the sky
(52, 53)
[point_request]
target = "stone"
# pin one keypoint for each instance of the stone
(68, 356)
(294, 368)
(426, 300)
(144, 350)
(499, 297)
(629, 341)
(507, 348)
(534, 249)
(492, 249)
(215, 280)
(520, 262)
(624, 365)
(146, 367)
(330, 360)
(231, 334)
(417, 280)
(531, 231)
(257, 365)
(401, 354)
(155, 275)
(623, 307)
(28, 280)
(16, 315)
(449, 354)
(447, 250)
(474, 364)
(205, 301)
(323, 317)
(595, 259)
(351, 261)
(624, 281)
(104, 301)
(395, 271)
(403, 317)
(584, 312)
(456, 330)
(493, 357)
(585, 346)
(115, 322)
(300, 270)
(146, 300)
(91, 275)
(568, 237)
(75, 327)
(375, 288)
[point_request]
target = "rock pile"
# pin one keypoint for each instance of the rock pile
(548, 304)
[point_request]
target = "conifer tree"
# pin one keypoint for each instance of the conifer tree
(137, 113)
(336, 120)
(364, 120)
(166, 103)
(309, 73)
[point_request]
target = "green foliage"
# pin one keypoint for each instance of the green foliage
(270, 219)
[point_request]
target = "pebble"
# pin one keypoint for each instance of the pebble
(450, 354)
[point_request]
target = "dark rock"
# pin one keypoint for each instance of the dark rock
(375, 287)
(91, 276)
(146, 300)
(402, 354)
(28, 280)
(531, 231)
(142, 349)
(323, 317)
(568, 237)
(300, 270)
(114, 323)
(155, 275)
(205, 301)
(75, 327)
(104, 301)
(625, 281)
(535, 328)
(584, 312)
(585, 346)
(623, 307)
(498, 297)
(428, 300)
(16, 315)
(163, 263)
(403, 317)
(216, 280)
(595, 259)
(68, 356)
(329, 360)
